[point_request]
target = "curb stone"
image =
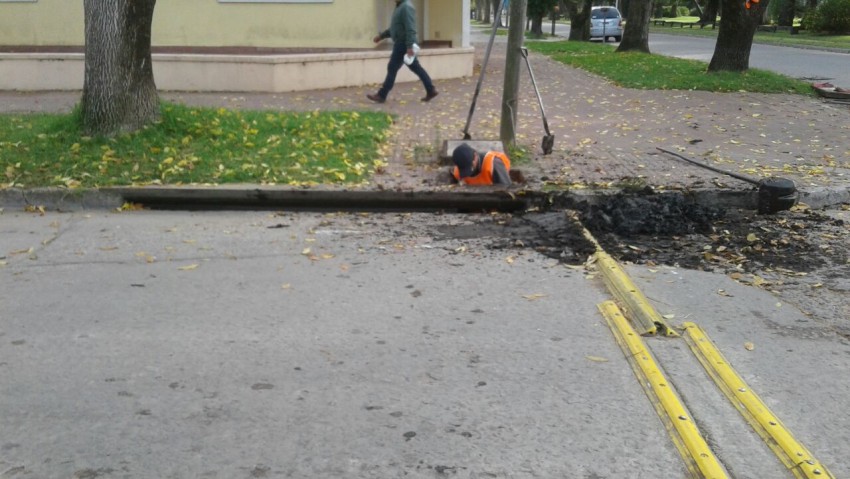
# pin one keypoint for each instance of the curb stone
(254, 197)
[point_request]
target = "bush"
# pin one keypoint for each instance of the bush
(831, 16)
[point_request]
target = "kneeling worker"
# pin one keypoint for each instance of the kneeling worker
(470, 168)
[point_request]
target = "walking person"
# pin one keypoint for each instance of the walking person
(403, 33)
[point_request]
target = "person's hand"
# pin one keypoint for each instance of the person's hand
(376, 39)
(410, 52)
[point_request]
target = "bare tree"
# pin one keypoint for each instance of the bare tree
(735, 39)
(636, 33)
(119, 93)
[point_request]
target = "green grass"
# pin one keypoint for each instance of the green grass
(194, 146)
(657, 72)
(781, 38)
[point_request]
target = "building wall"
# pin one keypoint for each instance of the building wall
(205, 23)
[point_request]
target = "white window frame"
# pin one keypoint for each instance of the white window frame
(267, 1)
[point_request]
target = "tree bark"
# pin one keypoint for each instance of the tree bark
(537, 27)
(510, 94)
(119, 93)
(580, 20)
(787, 11)
(735, 38)
(709, 13)
(636, 33)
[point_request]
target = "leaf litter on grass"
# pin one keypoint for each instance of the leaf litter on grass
(191, 145)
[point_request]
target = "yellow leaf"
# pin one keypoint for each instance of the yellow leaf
(752, 238)
(533, 297)
(306, 251)
(510, 260)
(597, 359)
(188, 268)
(327, 256)
(749, 346)
(285, 286)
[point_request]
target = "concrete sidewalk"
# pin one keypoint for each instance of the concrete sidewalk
(605, 135)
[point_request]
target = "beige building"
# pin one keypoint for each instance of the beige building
(238, 45)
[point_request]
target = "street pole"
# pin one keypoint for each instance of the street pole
(512, 70)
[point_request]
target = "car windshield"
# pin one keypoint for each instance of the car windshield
(607, 13)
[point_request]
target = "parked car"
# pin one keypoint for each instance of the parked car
(606, 22)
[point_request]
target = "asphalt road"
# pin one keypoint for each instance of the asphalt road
(151, 344)
(805, 64)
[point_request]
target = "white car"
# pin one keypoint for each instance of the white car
(606, 22)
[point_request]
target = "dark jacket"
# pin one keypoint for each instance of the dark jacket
(403, 25)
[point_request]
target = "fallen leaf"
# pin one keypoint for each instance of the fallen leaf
(509, 260)
(597, 359)
(535, 296)
(189, 267)
(306, 251)
(285, 286)
(749, 346)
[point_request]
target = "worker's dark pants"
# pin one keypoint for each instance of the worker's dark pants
(396, 61)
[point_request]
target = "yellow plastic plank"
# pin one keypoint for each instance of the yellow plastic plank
(637, 305)
(699, 458)
(792, 453)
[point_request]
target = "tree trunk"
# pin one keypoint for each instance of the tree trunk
(485, 11)
(497, 20)
(787, 11)
(735, 38)
(537, 27)
(513, 58)
(580, 20)
(636, 33)
(709, 13)
(674, 9)
(119, 93)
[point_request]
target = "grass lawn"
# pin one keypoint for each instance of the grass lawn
(657, 72)
(195, 146)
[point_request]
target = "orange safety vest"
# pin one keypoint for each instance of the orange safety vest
(485, 177)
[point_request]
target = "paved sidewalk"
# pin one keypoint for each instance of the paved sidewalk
(605, 135)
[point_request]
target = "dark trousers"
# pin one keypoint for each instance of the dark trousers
(396, 61)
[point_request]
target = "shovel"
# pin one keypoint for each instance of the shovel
(549, 138)
(466, 135)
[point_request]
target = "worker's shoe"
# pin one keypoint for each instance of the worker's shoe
(376, 98)
(430, 95)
